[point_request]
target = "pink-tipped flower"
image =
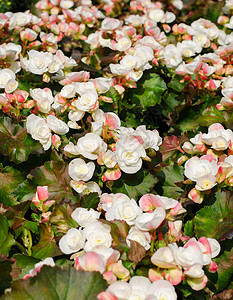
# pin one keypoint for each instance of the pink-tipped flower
(213, 267)
(155, 275)
(111, 174)
(90, 261)
(174, 275)
(196, 196)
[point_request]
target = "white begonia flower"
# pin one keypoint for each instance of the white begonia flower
(97, 234)
(129, 152)
(120, 289)
(39, 130)
(229, 160)
(72, 241)
(151, 139)
(98, 116)
(5, 76)
(195, 271)
(78, 186)
(123, 210)
(68, 91)
(76, 115)
(11, 86)
(110, 24)
(156, 14)
(57, 125)
(96, 128)
(142, 237)
(186, 257)
(215, 247)
(172, 56)
(227, 85)
(79, 170)
(85, 217)
(188, 48)
(145, 53)
(219, 139)
(123, 44)
(119, 69)
(140, 286)
(38, 62)
(91, 187)
(128, 62)
(168, 17)
(163, 258)
(91, 145)
(178, 4)
(196, 168)
(66, 4)
(22, 19)
(71, 149)
(162, 289)
(87, 101)
(106, 252)
(149, 221)
(200, 37)
(102, 85)
(43, 97)
(109, 159)
(205, 183)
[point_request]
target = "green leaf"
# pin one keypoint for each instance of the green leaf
(6, 238)
(57, 283)
(47, 245)
(215, 221)
(5, 276)
(176, 85)
(168, 178)
(53, 174)
(150, 91)
(189, 228)
(134, 185)
(24, 261)
(9, 181)
(90, 201)
(225, 269)
(15, 142)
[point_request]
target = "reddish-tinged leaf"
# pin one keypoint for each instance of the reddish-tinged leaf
(15, 142)
(9, 181)
(172, 144)
(53, 174)
(47, 245)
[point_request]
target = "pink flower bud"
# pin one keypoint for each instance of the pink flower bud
(109, 277)
(213, 267)
(42, 193)
(196, 196)
(174, 275)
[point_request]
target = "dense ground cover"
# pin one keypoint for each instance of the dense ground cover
(116, 149)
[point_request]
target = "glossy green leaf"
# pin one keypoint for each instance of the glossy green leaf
(215, 221)
(6, 238)
(57, 283)
(225, 269)
(15, 142)
(188, 229)
(169, 177)
(176, 85)
(9, 181)
(150, 90)
(90, 201)
(134, 185)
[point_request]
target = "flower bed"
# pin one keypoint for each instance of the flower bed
(116, 149)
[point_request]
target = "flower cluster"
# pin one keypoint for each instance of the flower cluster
(214, 166)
